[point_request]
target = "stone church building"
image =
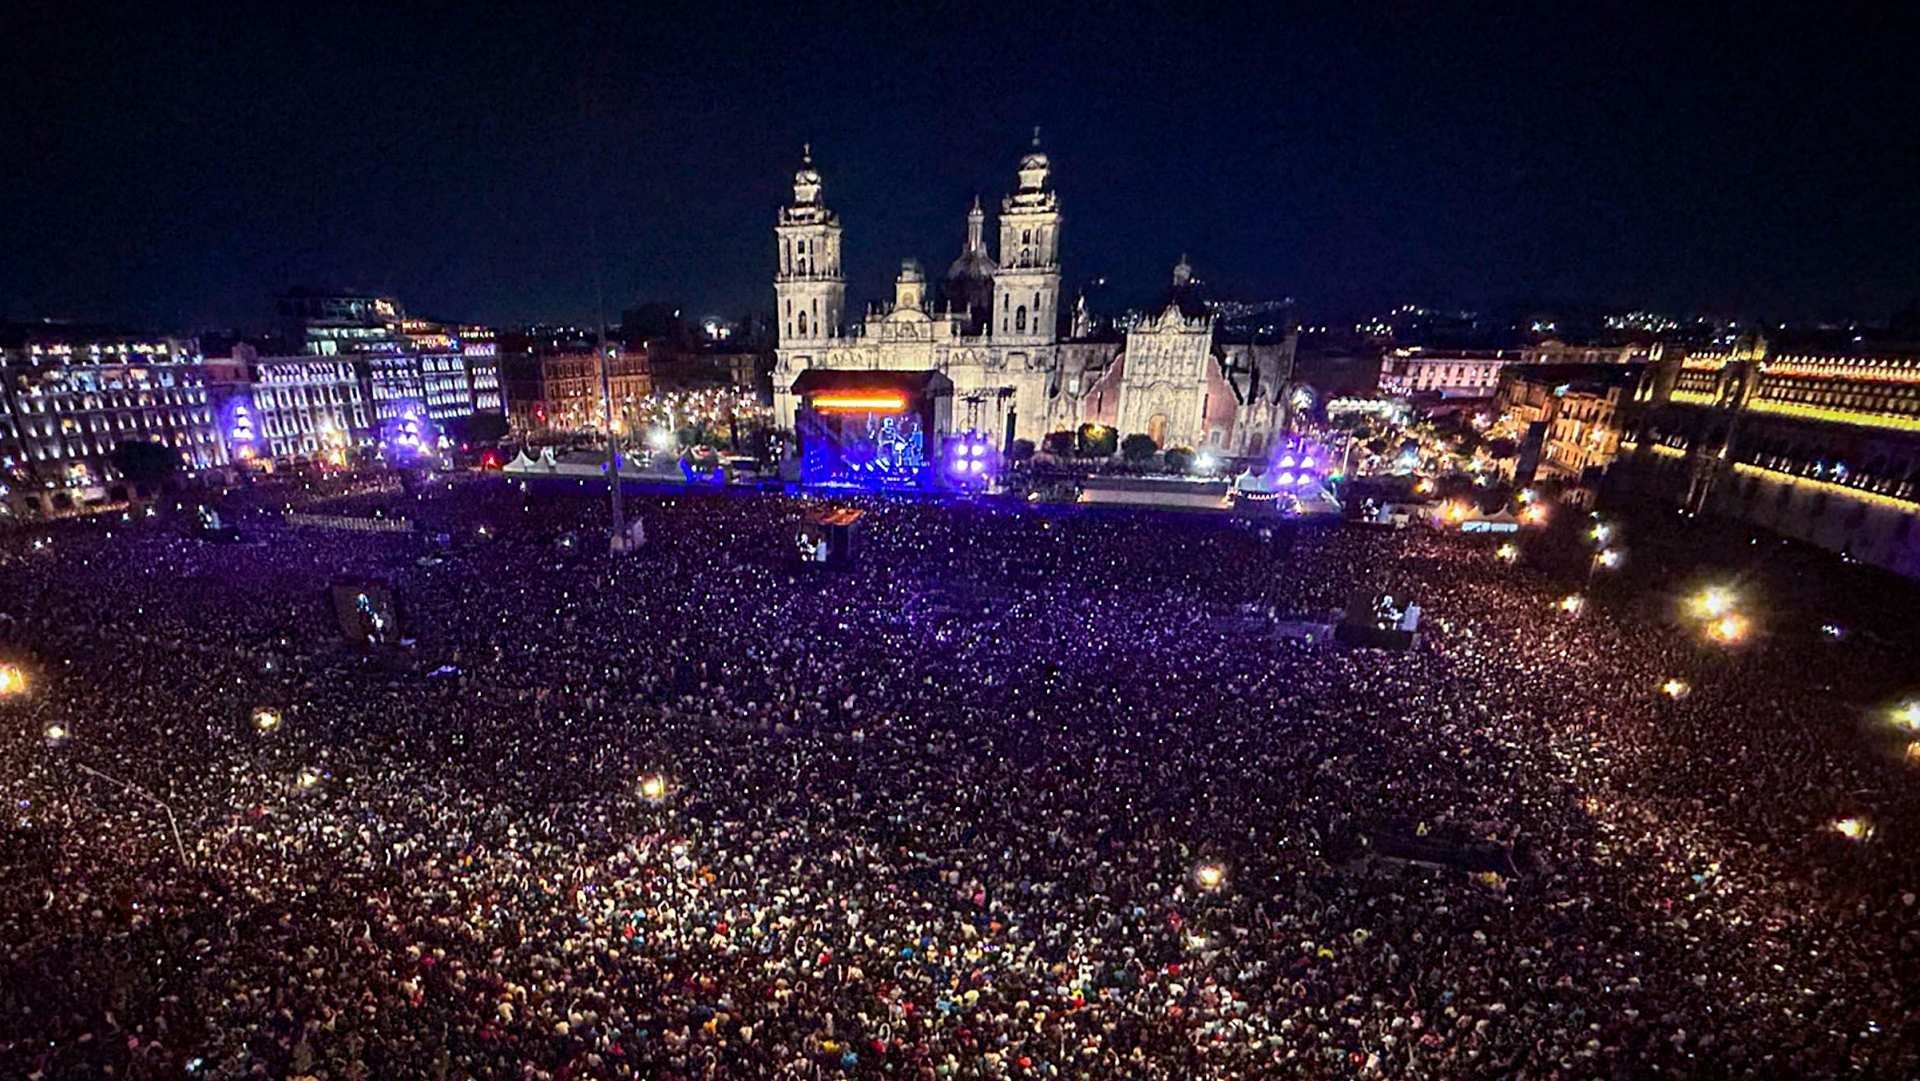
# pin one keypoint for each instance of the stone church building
(1018, 359)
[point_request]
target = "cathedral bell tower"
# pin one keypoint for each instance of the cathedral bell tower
(809, 289)
(1026, 286)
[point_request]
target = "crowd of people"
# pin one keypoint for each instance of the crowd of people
(1024, 793)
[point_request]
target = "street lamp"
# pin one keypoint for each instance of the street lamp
(653, 788)
(1908, 716)
(1854, 828)
(1728, 629)
(1714, 602)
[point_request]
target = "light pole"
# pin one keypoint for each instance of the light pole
(172, 823)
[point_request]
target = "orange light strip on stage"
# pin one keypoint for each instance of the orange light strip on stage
(871, 403)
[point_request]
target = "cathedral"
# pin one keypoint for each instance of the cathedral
(1020, 363)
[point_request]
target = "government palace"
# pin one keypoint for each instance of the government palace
(1020, 361)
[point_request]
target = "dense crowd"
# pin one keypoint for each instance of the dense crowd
(1024, 794)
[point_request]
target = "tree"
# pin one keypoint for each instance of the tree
(1022, 450)
(1058, 444)
(1097, 441)
(1178, 459)
(481, 428)
(1138, 448)
(148, 465)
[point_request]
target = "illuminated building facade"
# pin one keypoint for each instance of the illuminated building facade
(480, 351)
(395, 384)
(309, 408)
(1408, 371)
(1820, 447)
(68, 398)
(1021, 365)
(1446, 373)
(1566, 420)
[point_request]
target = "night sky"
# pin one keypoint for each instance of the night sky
(179, 169)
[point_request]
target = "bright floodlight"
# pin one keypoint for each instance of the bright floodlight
(1728, 628)
(1572, 603)
(266, 720)
(1854, 829)
(1610, 558)
(660, 439)
(1535, 514)
(1714, 602)
(653, 787)
(55, 733)
(308, 778)
(1601, 532)
(1908, 715)
(1506, 553)
(1210, 876)
(12, 680)
(1675, 688)
(1206, 462)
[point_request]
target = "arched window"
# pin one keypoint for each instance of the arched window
(1020, 319)
(1026, 236)
(803, 324)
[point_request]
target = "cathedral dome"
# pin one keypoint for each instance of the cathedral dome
(975, 265)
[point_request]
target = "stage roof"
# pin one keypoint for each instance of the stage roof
(926, 384)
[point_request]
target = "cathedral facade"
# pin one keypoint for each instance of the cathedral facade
(1022, 366)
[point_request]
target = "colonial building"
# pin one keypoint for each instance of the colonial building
(1823, 447)
(1566, 419)
(68, 397)
(1021, 363)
